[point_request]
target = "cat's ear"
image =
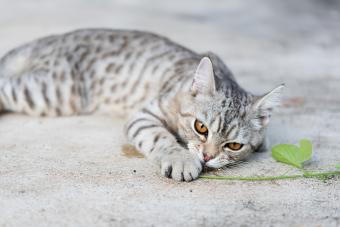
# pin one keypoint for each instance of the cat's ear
(264, 105)
(204, 81)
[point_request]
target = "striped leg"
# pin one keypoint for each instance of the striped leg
(149, 132)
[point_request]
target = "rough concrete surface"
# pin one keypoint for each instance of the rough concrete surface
(71, 171)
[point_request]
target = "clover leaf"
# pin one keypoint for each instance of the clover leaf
(292, 154)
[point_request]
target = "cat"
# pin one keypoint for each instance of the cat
(185, 109)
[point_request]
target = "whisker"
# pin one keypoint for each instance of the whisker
(236, 163)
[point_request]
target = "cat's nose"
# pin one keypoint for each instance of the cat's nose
(207, 157)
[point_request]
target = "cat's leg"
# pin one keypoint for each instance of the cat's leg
(150, 133)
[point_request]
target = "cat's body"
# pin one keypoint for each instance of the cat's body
(146, 76)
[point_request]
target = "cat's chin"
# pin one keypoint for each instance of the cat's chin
(216, 163)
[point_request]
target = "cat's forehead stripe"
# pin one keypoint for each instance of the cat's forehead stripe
(220, 123)
(232, 131)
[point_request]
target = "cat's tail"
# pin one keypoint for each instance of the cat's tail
(2, 102)
(12, 67)
(6, 99)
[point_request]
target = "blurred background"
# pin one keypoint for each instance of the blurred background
(78, 176)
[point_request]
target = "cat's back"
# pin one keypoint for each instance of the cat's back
(101, 43)
(102, 67)
(103, 52)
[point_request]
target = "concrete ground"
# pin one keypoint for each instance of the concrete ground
(72, 171)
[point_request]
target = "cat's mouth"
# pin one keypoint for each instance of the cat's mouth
(209, 161)
(207, 157)
(216, 162)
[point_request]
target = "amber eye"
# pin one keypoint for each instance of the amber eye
(234, 146)
(200, 127)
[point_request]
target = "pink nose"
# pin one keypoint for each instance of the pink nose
(207, 157)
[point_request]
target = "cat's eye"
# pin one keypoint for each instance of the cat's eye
(200, 128)
(233, 146)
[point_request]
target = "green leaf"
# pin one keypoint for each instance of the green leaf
(292, 154)
(287, 153)
(337, 166)
(305, 150)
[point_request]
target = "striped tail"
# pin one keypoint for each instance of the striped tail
(2, 105)
(5, 94)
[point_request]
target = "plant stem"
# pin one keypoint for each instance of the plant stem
(282, 177)
(322, 174)
(327, 166)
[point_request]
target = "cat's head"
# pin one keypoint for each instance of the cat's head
(223, 126)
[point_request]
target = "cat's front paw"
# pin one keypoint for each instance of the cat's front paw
(181, 166)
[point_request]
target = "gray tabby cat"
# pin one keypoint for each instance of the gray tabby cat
(186, 109)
